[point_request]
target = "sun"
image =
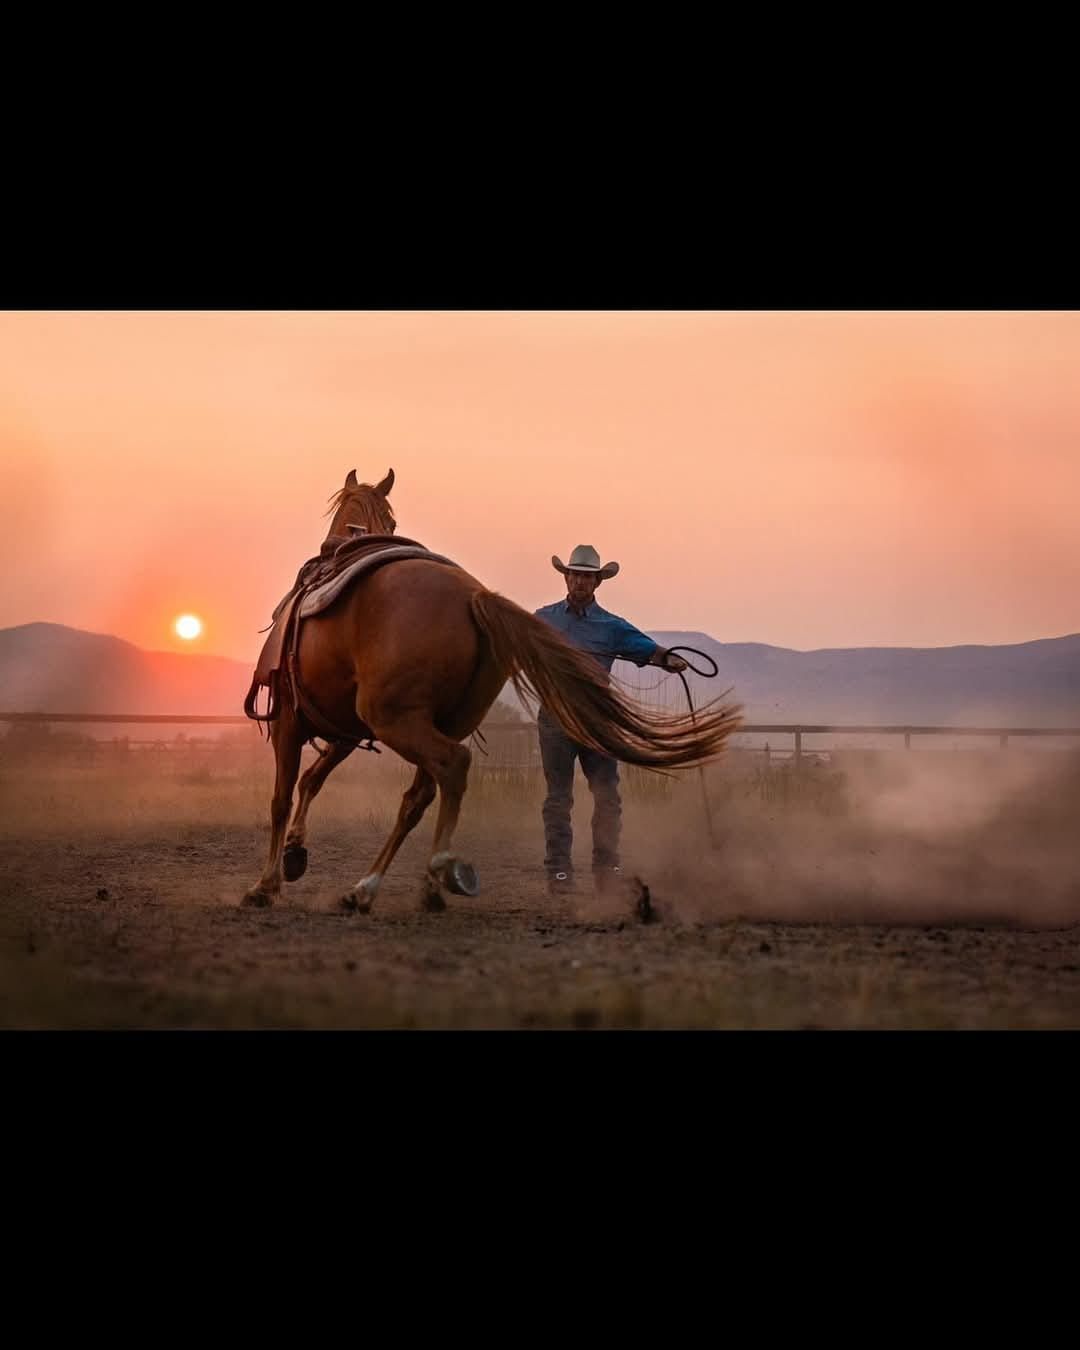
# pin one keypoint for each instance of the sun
(188, 626)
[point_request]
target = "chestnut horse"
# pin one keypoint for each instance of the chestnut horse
(417, 651)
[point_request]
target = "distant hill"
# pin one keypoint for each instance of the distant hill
(1028, 683)
(46, 667)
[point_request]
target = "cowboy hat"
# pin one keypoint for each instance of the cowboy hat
(585, 559)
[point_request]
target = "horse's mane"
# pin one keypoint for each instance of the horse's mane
(374, 504)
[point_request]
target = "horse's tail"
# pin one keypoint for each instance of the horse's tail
(575, 691)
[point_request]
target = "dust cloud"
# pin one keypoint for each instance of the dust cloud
(929, 838)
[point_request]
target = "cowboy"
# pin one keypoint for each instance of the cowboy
(607, 638)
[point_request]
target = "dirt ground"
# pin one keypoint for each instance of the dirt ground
(840, 902)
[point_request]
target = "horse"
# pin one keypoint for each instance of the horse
(416, 652)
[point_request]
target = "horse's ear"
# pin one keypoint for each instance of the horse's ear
(351, 482)
(383, 488)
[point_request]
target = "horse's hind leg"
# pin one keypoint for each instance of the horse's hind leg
(415, 801)
(294, 859)
(287, 746)
(459, 877)
(447, 762)
(439, 760)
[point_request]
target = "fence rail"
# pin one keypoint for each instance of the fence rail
(795, 729)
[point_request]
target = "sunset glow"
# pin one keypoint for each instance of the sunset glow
(807, 479)
(188, 627)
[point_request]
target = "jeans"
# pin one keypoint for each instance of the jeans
(558, 753)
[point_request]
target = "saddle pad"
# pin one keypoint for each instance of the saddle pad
(322, 597)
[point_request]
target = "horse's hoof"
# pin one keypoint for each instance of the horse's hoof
(431, 898)
(257, 898)
(461, 878)
(352, 903)
(294, 862)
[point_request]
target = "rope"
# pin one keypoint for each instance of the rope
(708, 675)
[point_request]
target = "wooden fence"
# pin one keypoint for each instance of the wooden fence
(516, 743)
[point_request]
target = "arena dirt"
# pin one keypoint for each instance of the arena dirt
(851, 905)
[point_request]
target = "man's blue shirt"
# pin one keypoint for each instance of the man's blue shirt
(605, 636)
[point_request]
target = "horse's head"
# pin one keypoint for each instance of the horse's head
(362, 505)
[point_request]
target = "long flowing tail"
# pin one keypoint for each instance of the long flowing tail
(575, 691)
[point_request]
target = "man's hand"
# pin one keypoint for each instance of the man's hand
(667, 660)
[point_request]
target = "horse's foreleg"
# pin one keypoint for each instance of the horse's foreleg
(294, 859)
(287, 747)
(415, 801)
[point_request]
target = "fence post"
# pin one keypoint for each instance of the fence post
(798, 747)
(907, 740)
(1003, 740)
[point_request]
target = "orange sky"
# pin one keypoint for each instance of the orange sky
(806, 479)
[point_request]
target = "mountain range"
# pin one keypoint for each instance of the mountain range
(1021, 684)
(47, 667)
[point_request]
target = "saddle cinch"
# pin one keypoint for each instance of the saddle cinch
(320, 582)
